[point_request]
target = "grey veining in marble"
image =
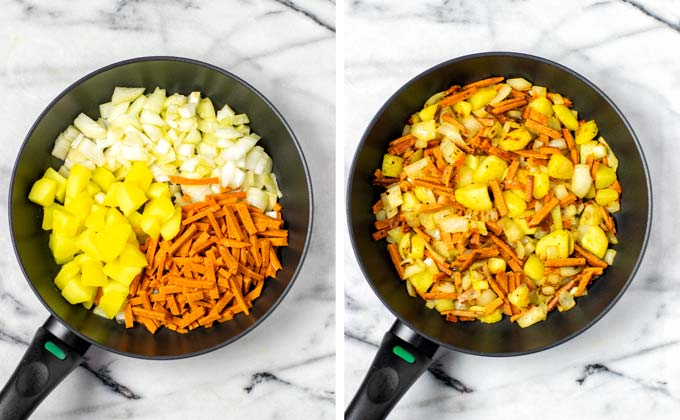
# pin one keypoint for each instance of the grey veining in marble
(627, 365)
(286, 49)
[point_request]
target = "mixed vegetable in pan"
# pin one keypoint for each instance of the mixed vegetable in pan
(498, 201)
(164, 213)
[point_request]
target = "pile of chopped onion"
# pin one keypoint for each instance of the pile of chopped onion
(174, 135)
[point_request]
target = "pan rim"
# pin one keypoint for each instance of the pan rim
(561, 67)
(257, 93)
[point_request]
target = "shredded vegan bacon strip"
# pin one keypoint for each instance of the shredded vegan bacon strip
(213, 269)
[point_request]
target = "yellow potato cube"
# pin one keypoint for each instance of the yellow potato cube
(150, 226)
(79, 205)
(158, 190)
(427, 113)
(565, 116)
(110, 303)
(112, 241)
(541, 185)
(171, 228)
(542, 105)
(558, 244)
(444, 304)
(75, 292)
(462, 109)
(97, 217)
(604, 177)
(132, 257)
(417, 247)
(516, 204)
(114, 217)
(68, 271)
(88, 242)
(103, 178)
(140, 175)
(586, 132)
(43, 192)
(64, 223)
(392, 165)
(515, 140)
(493, 317)
(61, 183)
(482, 97)
(520, 296)
(474, 196)
(160, 208)
(422, 281)
(606, 196)
(490, 168)
(593, 239)
(533, 268)
(130, 197)
(77, 180)
(63, 247)
(121, 273)
(560, 167)
(93, 275)
(111, 198)
(496, 265)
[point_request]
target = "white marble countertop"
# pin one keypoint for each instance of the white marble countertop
(627, 365)
(286, 49)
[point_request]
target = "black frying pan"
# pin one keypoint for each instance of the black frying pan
(419, 331)
(71, 329)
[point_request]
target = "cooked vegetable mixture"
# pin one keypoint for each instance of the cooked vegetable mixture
(498, 200)
(189, 185)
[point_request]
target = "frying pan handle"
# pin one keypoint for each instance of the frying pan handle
(402, 357)
(54, 352)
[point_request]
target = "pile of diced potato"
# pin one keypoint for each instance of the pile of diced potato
(94, 222)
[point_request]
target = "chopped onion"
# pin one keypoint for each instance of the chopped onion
(581, 181)
(559, 143)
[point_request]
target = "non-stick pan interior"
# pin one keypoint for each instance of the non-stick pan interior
(174, 75)
(502, 338)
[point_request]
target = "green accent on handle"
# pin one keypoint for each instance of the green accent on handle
(55, 350)
(403, 354)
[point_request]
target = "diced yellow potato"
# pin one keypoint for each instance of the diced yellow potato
(604, 177)
(63, 248)
(132, 239)
(591, 215)
(533, 267)
(560, 167)
(409, 201)
(115, 286)
(130, 197)
(158, 190)
(444, 304)
(43, 192)
(132, 257)
(532, 316)
(428, 112)
(422, 281)
(586, 132)
(478, 282)
(565, 116)
(110, 303)
(88, 243)
(111, 198)
(520, 296)
(593, 239)
(474, 196)
(606, 196)
(66, 273)
(160, 208)
(77, 180)
(121, 273)
(482, 97)
(465, 176)
(516, 204)
(48, 213)
(493, 317)
(79, 205)
(64, 223)
(490, 168)
(556, 216)
(542, 105)
(171, 228)
(140, 175)
(92, 189)
(391, 165)
(462, 109)
(417, 247)
(519, 83)
(496, 265)
(150, 226)
(61, 183)
(103, 178)
(75, 292)
(112, 241)
(515, 140)
(97, 217)
(541, 185)
(558, 244)
(524, 225)
(114, 217)
(93, 275)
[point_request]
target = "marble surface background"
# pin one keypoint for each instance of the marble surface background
(627, 365)
(286, 49)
